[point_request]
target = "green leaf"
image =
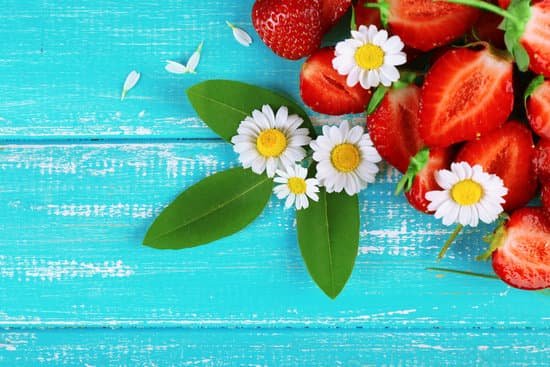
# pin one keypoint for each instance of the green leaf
(328, 234)
(376, 98)
(217, 206)
(532, 87)
(223, 104)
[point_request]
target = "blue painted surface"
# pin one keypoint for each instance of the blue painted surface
(73, 210)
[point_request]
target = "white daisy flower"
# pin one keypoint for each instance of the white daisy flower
(295, 187)
(369, 57)
(469, 195)
(346, 158)
(267, 142)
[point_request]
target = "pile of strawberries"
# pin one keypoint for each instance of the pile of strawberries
(466, 102)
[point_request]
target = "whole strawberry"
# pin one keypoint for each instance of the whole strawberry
(291, 28)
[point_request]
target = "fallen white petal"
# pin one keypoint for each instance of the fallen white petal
(193, 61)
(240, 35)
(129, 83)
(175, 67)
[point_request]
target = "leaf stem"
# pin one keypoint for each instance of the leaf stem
(488, 7)
(463, 272)
(449, 242)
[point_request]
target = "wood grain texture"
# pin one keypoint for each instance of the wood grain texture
(64, 64)
(82, 176)
(73, 217)
(281, 348)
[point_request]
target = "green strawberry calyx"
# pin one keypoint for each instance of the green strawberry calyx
(416, 164)
(495, 239)
(406, 78)
(384, 8)
(515, 21)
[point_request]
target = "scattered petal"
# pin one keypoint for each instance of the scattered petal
(240, 35)
(175, 67)
(129, 83)
(193, 61)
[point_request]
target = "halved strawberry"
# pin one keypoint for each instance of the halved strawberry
(466, 94)
(393, 126)
(542, 161)
(536, 38)
(332, 11)
(427, 24)
(366, 16)
(487, 29)
(521, 247)
(440, 158)
(507, 152)
(545, 197)
(538, 109)
(291, 28)
(326, 91)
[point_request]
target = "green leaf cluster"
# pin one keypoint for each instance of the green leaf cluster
(226, 202)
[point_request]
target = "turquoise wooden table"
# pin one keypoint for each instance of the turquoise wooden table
(82, 176)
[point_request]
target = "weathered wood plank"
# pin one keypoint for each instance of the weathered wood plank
(63, 65)
(314, 348)
(72, 218)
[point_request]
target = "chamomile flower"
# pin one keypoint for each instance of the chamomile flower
(296, 187)
(369, 57)
(346, 158)
(469, 195)
(267, 141)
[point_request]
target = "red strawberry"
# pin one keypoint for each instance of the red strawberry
(332, 11)
(291, 28)
(486, 29)
(427, 24)
(466, 93)
(366, 16)
(536, 38)
(504, 4)
(440, 158)
(326, 91)
(393, 127)
(538, 110)
(522, 249)
(507, 152)
(542, 161)
(545, 196)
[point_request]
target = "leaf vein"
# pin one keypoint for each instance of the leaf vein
(222, 204)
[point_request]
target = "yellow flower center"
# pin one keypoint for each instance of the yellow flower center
(345, 157)
(297, 185)
(369, 57)
(271, 143)
(467, 192)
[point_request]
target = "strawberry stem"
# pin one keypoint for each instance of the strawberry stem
(449, 242)
(488, 7)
